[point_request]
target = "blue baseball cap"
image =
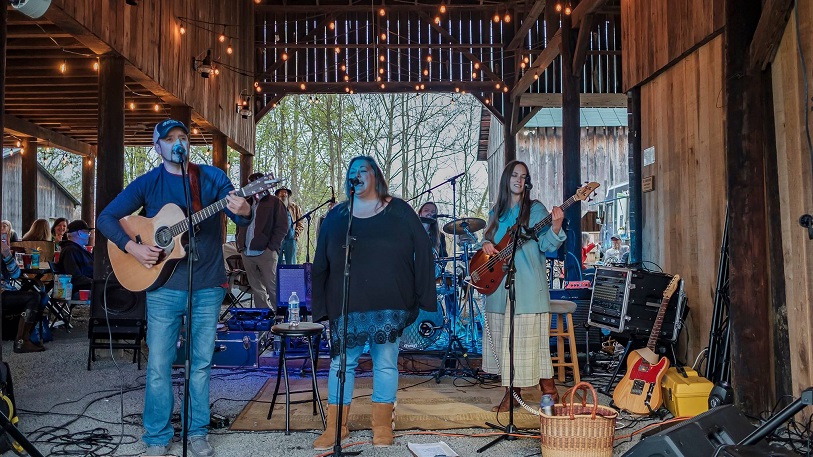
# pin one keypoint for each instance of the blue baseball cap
(162, 129)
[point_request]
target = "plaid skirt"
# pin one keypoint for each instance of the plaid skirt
(531, 348)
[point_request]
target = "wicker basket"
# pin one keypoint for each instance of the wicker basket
(578, 430)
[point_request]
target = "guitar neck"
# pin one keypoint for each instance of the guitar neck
(200, 216)
(656, 328)
(537, 228)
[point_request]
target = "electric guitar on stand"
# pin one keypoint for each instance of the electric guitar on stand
(639, 392)
(166, 230)
(487, 271)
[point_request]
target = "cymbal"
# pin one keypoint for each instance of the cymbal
(474, 224)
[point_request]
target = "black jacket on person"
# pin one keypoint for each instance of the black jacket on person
(270, 227)
(76, 261)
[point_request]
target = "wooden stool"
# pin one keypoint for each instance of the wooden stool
(308, 330)
(563, 310)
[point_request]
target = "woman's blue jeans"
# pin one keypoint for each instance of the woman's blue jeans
(385, 373)
(165, 310)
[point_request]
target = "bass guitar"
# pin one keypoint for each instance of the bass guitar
(487, 271)
(166, 230)
(639, 392)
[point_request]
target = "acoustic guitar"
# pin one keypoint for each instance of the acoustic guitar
(166, 230)
(487, 271)
(639, 392)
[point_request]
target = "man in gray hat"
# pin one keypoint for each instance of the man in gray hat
(295, 227)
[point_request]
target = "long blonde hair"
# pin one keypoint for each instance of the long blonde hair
(40, 231)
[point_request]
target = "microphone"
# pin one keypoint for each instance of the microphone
(353, 181)
(444, 215)
(179, 152)
(528, 185)
(332, 194)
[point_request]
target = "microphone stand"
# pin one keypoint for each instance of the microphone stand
(510, 283)
(308, 230)
(451, 180)
(191, 258)
(348, 249)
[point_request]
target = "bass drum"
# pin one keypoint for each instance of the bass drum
(425, 331)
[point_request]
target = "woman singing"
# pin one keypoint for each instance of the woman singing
(532, 321)
(391, 277)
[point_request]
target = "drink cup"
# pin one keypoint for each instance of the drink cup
(84, 295)
(26, 261)
(56, 257)
(89, 249)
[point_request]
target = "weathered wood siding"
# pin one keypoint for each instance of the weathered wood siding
(682, 118)
(795, 191)
(52, 200)
(656, 32)
(148, 36)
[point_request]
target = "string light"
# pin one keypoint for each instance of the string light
(505, 89)
(337, 49)
(90, 162)
(536, 76)
(457, 89)
(221, 38)
(132, 105)
(522, 65)
(258, 89)
(383, 36)
(381, 58)
(182, 30)
(256, 84)
(195, 131)
(473, 74)
(476, 65)
(496, 17)
(346, 77)
(507, 17)
(417, 87)
(347, 88)
(497, 85)
(284, 56)
(442, 8)
(229, 50)
(332, 25)
(216, 71)
(429, 58)
(568, 10)
(63, 67)
(96, 66)
(157, 107)
(558, 8)
(302, 86)
(19, 143)
(382, 85)
(344, 67)
(437, 20)
(426, 72)
(382, 12)
(423, 87)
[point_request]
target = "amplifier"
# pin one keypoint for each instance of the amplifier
(294, 278)
(582, 299)
(627, 301)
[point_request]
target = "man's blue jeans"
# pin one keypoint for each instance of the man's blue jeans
(385, 373)
(165, 310)
(287, 252)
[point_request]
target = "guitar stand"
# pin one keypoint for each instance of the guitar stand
(606, 390)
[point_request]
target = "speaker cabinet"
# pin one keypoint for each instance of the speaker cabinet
(294, 278)
(697, 437)
(109, 300)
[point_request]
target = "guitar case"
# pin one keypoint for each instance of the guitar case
(8, 408)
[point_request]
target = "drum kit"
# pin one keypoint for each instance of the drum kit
(456, 310)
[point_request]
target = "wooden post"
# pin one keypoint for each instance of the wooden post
(634, 164)
(182, 113)
(747, 133)
(509, 137)
(29, 184)
(3, 22)
(246, 168)
(220, 155)
(88, 187)
(110, 148)
(571, 150)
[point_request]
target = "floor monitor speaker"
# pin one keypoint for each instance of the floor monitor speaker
(109, 300)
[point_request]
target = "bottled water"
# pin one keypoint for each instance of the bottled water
(546, 405)
(293, 310)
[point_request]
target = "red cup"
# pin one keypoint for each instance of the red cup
(89, 249)
(26, 261)
(84, 295)
(56, 256)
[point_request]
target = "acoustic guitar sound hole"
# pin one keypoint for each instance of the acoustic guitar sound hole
(163, 237)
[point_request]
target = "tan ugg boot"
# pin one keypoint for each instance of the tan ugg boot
(548, 386)
(383, 423)
(328, 438)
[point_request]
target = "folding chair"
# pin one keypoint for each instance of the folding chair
(238, 279)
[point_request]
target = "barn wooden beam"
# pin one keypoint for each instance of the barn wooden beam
(111, 148)
(522, 122)
(246, 168)
(533, 14)
(29, 182)
(455, 44)
(67, 23)
(25, 128)
(382, 46)
(3, 50)
(749, 124)
(389, 86)
(769, 32)
(571, 147)
(268, 107)
(582, 43)
(603, 100)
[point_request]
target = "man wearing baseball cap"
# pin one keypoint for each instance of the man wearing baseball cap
(166, 305)
(295, 227)
(74, 258)
(613, 255)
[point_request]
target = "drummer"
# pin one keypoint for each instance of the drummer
(428, 212)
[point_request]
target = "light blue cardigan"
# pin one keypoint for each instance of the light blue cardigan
(531, 278)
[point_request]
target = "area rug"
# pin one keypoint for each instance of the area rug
(422, 404)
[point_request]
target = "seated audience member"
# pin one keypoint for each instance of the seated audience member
(29, 303)
(39, 231)
(587, 246)
(74, 259)
(59, 229)
(5, 228)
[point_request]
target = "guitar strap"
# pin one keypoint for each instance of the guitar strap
(194, 186)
